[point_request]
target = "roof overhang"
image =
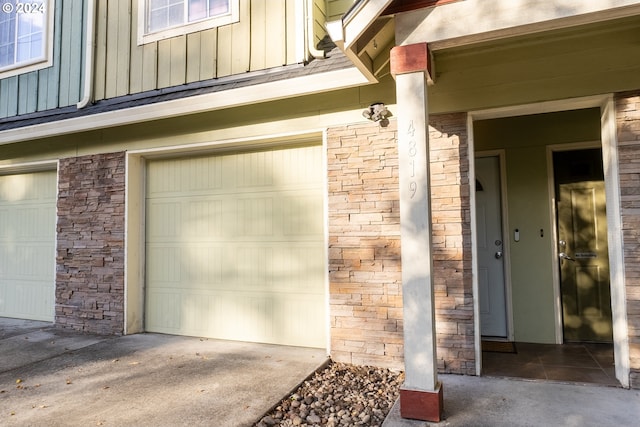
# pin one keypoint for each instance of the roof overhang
(365, 37)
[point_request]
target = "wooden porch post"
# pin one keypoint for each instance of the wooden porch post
(421, 395)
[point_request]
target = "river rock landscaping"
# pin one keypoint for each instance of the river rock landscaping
(339, 395)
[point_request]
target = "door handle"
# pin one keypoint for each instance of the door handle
(563, 255)
(498, 254)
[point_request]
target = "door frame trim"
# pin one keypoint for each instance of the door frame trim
(609, 142)
(557, 291)
(506, 241)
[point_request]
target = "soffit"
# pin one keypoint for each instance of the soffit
(573, 34)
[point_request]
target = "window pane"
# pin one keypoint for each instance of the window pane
(218, 7)
(197, 10)
(176, 14)
(165, 13)
(7, 28)
(6, 55)
(29, 47)
(22, 34)
(157, 20)
(7, 38)
(30, 30)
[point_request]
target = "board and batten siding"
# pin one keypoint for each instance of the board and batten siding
(337, 8)
(265, 37)
(59, 85)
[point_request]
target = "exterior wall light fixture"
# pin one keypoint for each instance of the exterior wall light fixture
(377, 112)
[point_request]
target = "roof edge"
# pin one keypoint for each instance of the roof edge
(242, 96)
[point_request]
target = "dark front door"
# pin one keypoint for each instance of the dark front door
(582, 245)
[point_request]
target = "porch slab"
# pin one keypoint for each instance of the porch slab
(484, 401)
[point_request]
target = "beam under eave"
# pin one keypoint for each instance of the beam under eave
(346, 34)
(362, 19)
(336, 32)
(383, 59)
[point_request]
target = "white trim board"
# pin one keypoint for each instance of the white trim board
(472, 21)
(271, 91)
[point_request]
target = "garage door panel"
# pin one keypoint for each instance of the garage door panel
(188, 265)
(237, 256)
(31, 223)
(27, 245)
(164, 264)
(203, 219)
(26, 261)
(177, 176)
(304, 214)
(35, 300)
(163, 220)
(291, 268)
(167, 313)
(235, 315)
(255, 217)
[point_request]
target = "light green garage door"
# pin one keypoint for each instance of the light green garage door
(235, 247)
(27, 245)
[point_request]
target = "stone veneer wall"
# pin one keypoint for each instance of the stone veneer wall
(90, 244)
(451, 217)
(364, 245)
(628, 135)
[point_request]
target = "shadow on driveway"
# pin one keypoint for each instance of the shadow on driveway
(57, 378)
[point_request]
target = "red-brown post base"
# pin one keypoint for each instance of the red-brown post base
(422, 405)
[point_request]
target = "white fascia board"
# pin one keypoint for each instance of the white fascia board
(471, 21)
(271, 91)
(366, 14)
(336, 32)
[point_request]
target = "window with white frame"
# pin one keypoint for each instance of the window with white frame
(169, 18)
(24, 35)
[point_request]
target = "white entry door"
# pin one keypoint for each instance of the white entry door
(491, 285)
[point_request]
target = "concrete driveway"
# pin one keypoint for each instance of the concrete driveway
(57, 378)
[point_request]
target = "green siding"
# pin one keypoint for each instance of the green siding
(9, 97)
(59, 85)
(264, 37)
(118, 43)
(27, 93)
(49, 83)
(71, 52)
(337, 8)
(100, 59)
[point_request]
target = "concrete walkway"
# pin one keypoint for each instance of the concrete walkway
(483, 401)
(54, 378)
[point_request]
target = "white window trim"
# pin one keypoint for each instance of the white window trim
(47, 59)
(205, 24)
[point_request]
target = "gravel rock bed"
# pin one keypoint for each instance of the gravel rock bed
(339, 395)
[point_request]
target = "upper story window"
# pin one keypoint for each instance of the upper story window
(25, 39)
(170, 18)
